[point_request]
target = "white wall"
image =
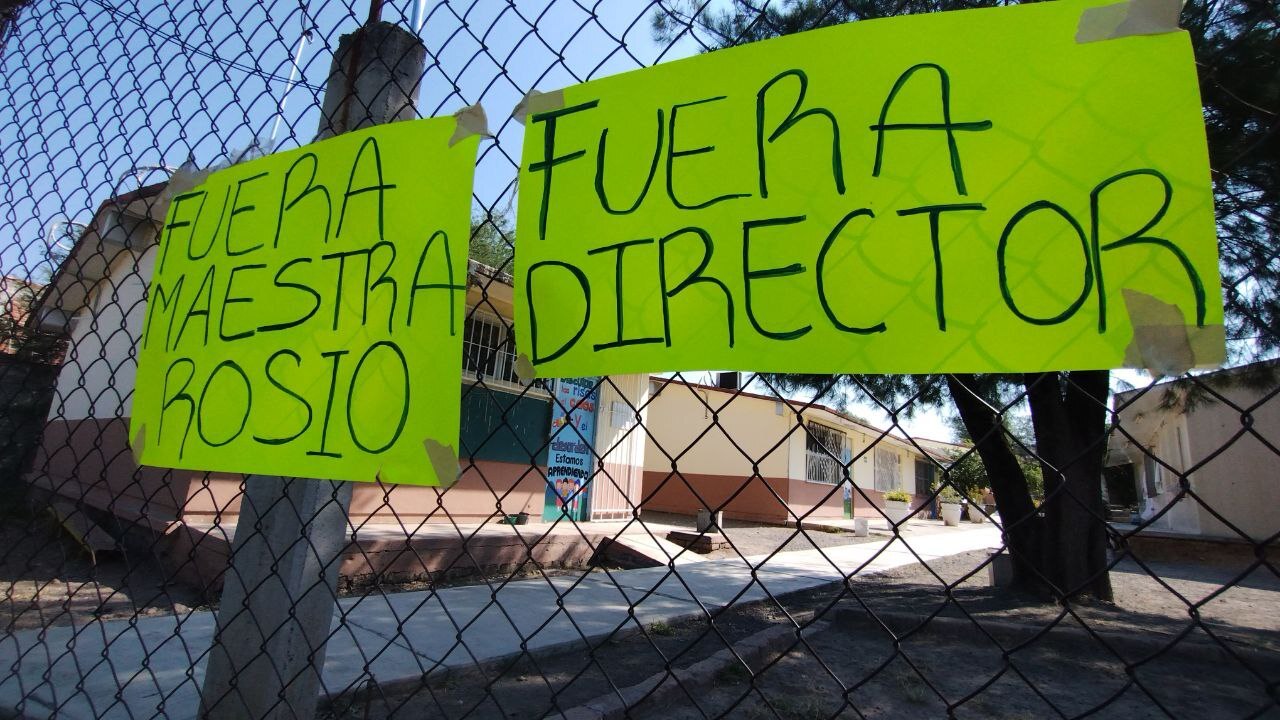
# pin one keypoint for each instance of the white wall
(98, 374)
(1232, 471)
(678, 419)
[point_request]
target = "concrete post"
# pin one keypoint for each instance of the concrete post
(280, 590)
(373, 79)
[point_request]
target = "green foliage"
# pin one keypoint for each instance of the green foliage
(897, 496)
(969, 476)
(661, 629)
(1236, 45)
(744, 21)
(1032, 471)
(493, 238)
(949, 496)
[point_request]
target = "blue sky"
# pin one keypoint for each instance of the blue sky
(112, 85)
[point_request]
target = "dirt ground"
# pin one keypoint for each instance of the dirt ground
(938, 667)
(948, 663)
(760, 539)
(46, 579)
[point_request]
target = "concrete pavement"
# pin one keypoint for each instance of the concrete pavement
(152, 666)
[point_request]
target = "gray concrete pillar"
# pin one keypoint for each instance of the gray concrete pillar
(279, 593)
(373, 79)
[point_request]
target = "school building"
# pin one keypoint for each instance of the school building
(761, 458)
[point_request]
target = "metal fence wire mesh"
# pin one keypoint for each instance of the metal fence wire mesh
(735, 550)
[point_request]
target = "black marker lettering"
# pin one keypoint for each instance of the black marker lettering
(821, 276)
(206, 291)
(306, 191)
(1002, 250)
(213, 236)
(180, 395)
(160, 302)
(620, 249)
(749, 275)
(794, 117)
(653, 170)
(381, 186)
(451, 287)
(297, 361)
(946, 125)
(341, 257)
(174, 224)
(694, 277)
(934, 211)
(227, 299)
(384, 278)
(328, 405)
(237, 209)
(533, 315)
(204, 393)
(315, 296)
(1139, 238)
(549, 158)
(673, 153)
(404, 404)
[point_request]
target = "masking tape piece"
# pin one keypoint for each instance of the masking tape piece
(1135, 17)
(137, 444)
(524, 368)
(186, 177)
(535, 102)
(443, 459)
(1163, 344)
(471, 121)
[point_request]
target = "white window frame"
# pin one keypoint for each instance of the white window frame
(895, 483)
(621, 416)
(499, 344)
(825, 468)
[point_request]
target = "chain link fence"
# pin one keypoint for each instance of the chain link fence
(741, 545)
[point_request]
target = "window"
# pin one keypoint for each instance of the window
(888, 471)
(924, 474)
(489, 351)
(1151, 474)
(826, 454)
(621, 415)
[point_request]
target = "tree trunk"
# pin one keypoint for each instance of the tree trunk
(1069, 411)
(1022, 525)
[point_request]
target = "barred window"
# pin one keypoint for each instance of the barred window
(489, 351)
(888, 472)
(826, 451)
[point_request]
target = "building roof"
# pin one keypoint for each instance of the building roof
(921, 444)
(1227, 373)
(114, 228)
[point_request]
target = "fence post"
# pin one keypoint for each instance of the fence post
(280, 590)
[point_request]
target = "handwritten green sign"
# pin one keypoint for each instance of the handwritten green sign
(305, 312)
(1013, 189)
